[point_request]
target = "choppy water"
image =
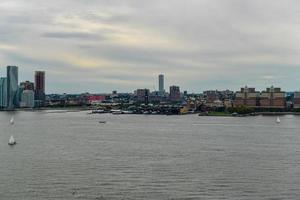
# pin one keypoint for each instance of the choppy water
(72, 156)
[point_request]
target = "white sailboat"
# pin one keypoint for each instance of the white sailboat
(12, 140)
(278, 120)
(12, 121)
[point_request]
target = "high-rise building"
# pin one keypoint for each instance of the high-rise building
(3, 93)
(161, 84)
(39, 80)
(174, 93)
(27, 99)
(27, 85)
(12, 87)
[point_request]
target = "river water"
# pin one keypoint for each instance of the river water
(72, 156)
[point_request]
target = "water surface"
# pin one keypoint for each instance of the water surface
(72, 156)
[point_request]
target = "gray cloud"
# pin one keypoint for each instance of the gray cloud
(198, 44)
(66, 35)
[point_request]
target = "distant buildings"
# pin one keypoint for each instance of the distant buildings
(296, 100)
(39, 81)
(29, 95)
(13, 95)
(95, 99)
(161, 84)
(27, 99)
(246, 97)
(174, 93)
(3, 92)
(211, 96)
(270, 98)
(142, 95)
(27, 85)
(12, 87)
(26, 94)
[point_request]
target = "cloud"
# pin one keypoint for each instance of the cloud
(72, 35)
(197, 44)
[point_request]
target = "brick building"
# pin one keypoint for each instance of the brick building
(272, 98)
(246, 97)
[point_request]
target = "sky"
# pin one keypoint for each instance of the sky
(103, 45)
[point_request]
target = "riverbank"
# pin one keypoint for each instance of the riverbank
(227, 114)
(48, 108)
(213, 114)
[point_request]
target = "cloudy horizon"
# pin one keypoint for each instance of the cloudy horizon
(103, 45)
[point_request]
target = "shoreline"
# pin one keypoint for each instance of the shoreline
(212, 114)
(252, 114)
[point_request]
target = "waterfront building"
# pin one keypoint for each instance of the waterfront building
(296, 100)
(3, 92)
(96, 99)
(39, 82)
(142, 95)
(228, 103)
(215, 104)
(161, 84)
(246, 97)
(211, 96)
(272, 98)
(12, 87)
(174, 93)
(27, 99)
(156, 97)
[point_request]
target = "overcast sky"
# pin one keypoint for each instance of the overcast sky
(105, 45)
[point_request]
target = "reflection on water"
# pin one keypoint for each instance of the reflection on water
(72, 156)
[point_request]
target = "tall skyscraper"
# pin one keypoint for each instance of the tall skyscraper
(39, 80)
(3, 93)
(161, 84)
(12, 87)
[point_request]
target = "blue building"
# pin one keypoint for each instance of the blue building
(12, 87)
(3, 93)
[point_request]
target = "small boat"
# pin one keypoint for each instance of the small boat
(278, 120)
(98, 112)
(12, 140)
(102, 122)
(117, 112)
(12, 121)
(127, 112)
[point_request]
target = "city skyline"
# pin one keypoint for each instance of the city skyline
(25, 94)
(159, 83)
(101, 46)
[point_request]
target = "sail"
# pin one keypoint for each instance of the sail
(278, 120)
(11, 140)
(12, 121)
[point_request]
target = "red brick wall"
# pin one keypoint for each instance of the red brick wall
(265, 102)
(279, 102)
